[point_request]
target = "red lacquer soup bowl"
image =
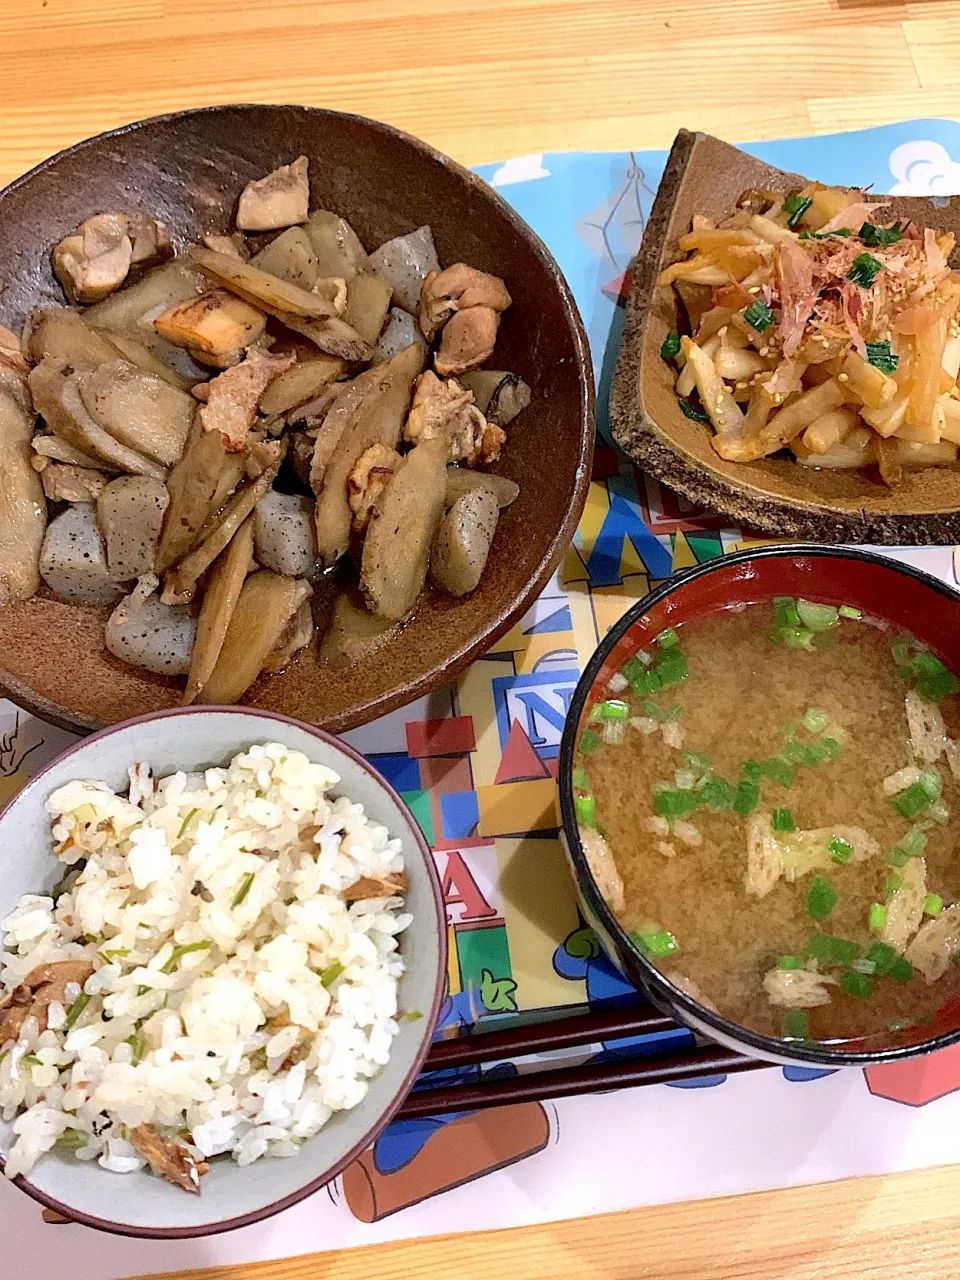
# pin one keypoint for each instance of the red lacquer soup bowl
(877, 585)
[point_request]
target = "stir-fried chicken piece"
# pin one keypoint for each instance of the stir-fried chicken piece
(63, 482)
(367, 480)
(393, 885)
(457, 289)
(171, 1160)
(232, 398)
(281, 199)
(234, 246)
(94, 261)
(11, 353)
(445, 408)
(467, 340)
(217, 324)
(150, 242)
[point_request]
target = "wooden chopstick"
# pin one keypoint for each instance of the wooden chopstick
(564, 1082)
(635, 1019)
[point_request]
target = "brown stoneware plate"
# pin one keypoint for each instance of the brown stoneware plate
(189, 169)
(704, 175)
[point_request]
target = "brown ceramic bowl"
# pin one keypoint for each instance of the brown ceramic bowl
(189, 169)
(704, 175)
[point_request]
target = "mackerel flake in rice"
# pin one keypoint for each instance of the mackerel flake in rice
(239, 994)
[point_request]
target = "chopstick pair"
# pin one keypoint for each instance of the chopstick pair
(568, 1032)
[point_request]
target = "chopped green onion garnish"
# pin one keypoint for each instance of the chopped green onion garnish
(841, 850)
(931, 782)
(752, 769)
(614, 732)
(881, 357)
(911, 801)
(790, 962)
(746, 797)
(671, 668)
(932, 904)
(938, 811)
(892, 883)
(758, 316)
(878, 237)
(329, 976)
(684, 779)
(911, 846)
(864, 270)
(816, 720)
(718, 795)
(898, 1024)
(697, 761)
(412, 1015)
(783, 820)
(817, 617)
(778, 770)
(106, 957)
(74, 1012)
(796, 638)
(900, 647)
(695, 415)
(667, 639)
(596, 712)
(258, 1059)
(74, 1139)
(821, 898)
(668, 803)
(789, 728)
(795, 207)
(581, 779)
(796, 1025)
(30, 1060)
(244, 889)
(671, 346)
(901, 970)
(882, 956)
(184, 950)
(614, 709)
(937, 686)
(857, 985)
(185, 823)
(586, 808)
(138, 1043)
(633, 669)
(589, 742)
(785, 612)
(878, 917)
(848, 611)
(660, 943)
(866, 965)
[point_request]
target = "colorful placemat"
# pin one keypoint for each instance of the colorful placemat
(476, 763)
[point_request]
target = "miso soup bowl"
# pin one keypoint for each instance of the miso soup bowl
(140, 1204)
(876, 584)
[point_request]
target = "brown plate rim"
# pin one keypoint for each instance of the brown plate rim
(440, 673)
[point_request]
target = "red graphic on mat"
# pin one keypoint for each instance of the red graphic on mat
(919, 1081)
(518, 761)
(451, 737)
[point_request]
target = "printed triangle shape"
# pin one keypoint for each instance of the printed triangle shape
(519, 762)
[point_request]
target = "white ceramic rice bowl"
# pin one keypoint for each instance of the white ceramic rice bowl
(142, 1204)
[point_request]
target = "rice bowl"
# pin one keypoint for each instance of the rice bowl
(242, 930)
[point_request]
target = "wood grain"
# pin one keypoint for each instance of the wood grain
(483, 80)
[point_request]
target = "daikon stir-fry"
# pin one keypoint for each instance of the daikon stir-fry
(766, 798)
(266, 438)
(819, 324)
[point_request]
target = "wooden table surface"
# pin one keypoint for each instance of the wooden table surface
(484, 81)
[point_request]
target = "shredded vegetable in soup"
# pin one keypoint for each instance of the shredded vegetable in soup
(764, 796)
(819, 325)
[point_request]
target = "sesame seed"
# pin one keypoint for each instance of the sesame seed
(843, 377)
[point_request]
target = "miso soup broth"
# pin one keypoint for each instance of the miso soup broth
(766, 796)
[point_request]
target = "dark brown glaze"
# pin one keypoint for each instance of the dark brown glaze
(188, 169)
(704, 175)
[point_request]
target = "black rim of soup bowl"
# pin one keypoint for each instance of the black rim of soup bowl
(613, 937)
